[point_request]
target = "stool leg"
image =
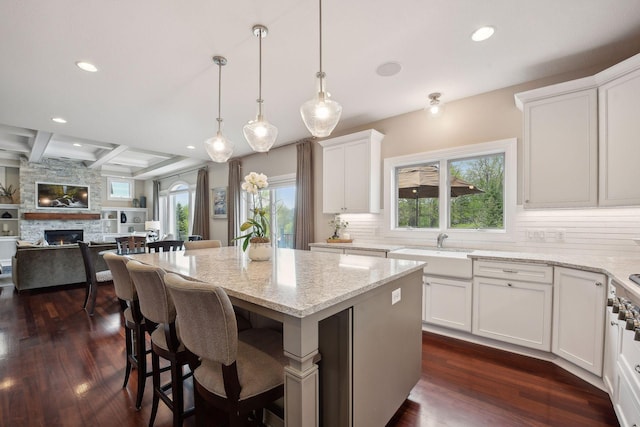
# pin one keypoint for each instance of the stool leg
(128, 337)
(155, 363)
(141, 358)
(177, 393)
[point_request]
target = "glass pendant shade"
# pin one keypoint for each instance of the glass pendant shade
(260, 134)
(219, 148)
(321, 114)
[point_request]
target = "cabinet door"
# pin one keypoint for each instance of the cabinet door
(514, 312)
(578, 317)
(333, 180)
(560, 151)
(447, 302)
(357, 177)
(613, 328)
(619, 148)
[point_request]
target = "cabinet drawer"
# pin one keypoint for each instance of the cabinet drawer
(627, 406)
(538, 273)
(630, 359)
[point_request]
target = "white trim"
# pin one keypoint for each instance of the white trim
(506, 146)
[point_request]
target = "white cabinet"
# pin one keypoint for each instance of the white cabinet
(619, 102)
(123, 220)
(628, 390)
(560, 145)
(9, 218)
(579, 303)
(613, 331)
(513, 304)
(447, 302)
(351, 173)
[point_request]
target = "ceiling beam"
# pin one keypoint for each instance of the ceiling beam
(40, 143)
(160, 165)
(107, 156)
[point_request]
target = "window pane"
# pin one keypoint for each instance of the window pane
(285, 202)
(476, 186)
(179, 224)
(418, 192)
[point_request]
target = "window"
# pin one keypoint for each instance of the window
(119, 188)
(177, 221)
(279, 200)
(467, 189)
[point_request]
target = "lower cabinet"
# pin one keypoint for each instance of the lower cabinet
(579, 304)
(628, 390)
(613, 330)
(447, 302)
(513, 311)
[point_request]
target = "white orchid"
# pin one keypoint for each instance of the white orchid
(258, 226)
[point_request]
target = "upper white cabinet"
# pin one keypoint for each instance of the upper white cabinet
(351, 173)
(619, 101)
(579, 144)
(560, 145)
(579, 302)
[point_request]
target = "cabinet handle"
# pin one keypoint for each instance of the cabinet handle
(509, 284)
(598, 283)
(506, 270)
(614, 323)
(638, 369)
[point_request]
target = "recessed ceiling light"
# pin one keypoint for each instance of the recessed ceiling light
(482, 33)
(191, 147)
(87, 66)
(77, 144)
(388, 69)
(58, 120)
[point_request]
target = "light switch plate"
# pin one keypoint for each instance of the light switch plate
(396, 295)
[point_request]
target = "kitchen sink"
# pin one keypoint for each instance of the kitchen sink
(452, 262)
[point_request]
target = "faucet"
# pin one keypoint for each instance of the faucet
(441, 238)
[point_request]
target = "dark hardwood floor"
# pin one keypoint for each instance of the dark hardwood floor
(60, 367)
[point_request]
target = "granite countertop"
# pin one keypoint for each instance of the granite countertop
(361, 246)
(297, 283)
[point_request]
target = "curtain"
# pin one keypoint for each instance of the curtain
(201, 205)
(233, 201)
(156, 199)
(304, 195)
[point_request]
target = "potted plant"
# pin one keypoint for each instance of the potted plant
(337, 224)
(6, 194)
(257, 239)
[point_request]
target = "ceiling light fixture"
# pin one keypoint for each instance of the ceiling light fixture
(482, 33)
(86, 66)
(321, 114)
(218, 147)
(388, 69)
(59, 120)
(435, 106)
(259, 133)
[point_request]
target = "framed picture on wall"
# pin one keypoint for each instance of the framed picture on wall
(219, 197)
(61, 196)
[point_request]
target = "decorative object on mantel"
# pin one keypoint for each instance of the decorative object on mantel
(6, 194)
(135, 203)
(6, 215)
(257, 239)
(123, 217)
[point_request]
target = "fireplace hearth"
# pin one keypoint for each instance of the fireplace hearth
(63, 237)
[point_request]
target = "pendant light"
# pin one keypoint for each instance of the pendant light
(321, 114)
(435, 107)
(259, 133)
(218, 147)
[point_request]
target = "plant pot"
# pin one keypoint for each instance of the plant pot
(259, 251)
(6, 200)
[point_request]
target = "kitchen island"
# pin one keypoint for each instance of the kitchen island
(361, 316)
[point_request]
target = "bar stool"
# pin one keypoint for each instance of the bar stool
(94, 278)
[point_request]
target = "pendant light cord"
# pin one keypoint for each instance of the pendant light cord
(321, 73)
(219, 94)
(260, 74)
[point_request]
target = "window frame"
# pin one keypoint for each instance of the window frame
(506, 146)
(128, 181)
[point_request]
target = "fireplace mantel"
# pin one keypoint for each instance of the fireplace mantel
(61, 216)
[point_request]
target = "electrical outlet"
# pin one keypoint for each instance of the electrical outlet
(396, 295)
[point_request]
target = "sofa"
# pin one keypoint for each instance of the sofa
(36, 267)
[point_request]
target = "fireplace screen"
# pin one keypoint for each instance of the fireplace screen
(63, 237)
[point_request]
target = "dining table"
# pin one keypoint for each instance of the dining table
(351, 324)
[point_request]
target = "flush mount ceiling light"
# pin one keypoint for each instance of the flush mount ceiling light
(482, 33)
(435, 106)
(218, 147)
(86, 66)
(259, 133)
(59, 120)
(321, 114)
(388, 69)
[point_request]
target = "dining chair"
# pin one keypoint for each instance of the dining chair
(93, 277)
(131, 244)
(134, 323)
(195, 237)
(240, 372)
(202, 244)
(157, 309)
(165, 245)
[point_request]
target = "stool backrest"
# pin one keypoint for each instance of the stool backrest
(125, 290)
(155, 303)
(165, 245)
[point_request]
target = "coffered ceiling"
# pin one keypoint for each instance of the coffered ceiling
(156, 90)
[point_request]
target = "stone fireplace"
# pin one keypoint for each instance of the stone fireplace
(63, 237)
